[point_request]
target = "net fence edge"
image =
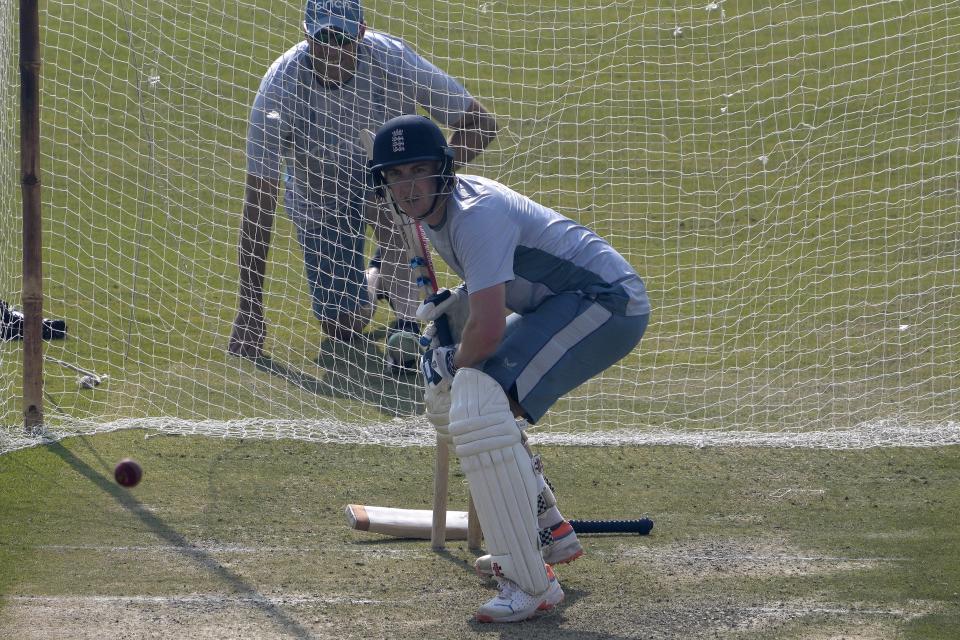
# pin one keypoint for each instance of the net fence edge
(886, 433)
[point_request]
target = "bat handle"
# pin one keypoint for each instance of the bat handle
(444, 336)
(642, 527)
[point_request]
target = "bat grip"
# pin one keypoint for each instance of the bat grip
(641, 527)
(444, 336)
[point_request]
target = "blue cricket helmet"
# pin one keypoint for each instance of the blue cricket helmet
(410, 138)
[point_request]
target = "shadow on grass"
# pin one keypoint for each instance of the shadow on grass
(547, 625)
(294, 376)
(357, 369)
(543, 625)
(354, 370)
(177, 540)
(453, 557)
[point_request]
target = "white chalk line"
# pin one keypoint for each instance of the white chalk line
(381, 551)
(776, 558)
(230, 549)
(300, 599)
(837, 611)
(196, 599)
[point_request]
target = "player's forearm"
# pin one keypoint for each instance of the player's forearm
(397, 279)
(473, 134)
(393, 254)
(478, 342)
(252, 271)
(255, 235)
(484, 328)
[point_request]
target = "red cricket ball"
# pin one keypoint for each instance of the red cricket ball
(128, 472)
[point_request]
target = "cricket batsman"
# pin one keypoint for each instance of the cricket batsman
(546, 305)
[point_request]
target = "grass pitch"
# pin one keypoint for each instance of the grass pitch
(247, 539)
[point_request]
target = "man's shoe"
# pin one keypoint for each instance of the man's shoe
(513, 604)
(558, 545)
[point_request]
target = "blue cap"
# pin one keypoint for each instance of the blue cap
(344, 15)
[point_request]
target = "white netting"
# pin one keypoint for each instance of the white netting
(784, 177)
(401, 432)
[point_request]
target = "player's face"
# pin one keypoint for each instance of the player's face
(334, 55)
(413, 187)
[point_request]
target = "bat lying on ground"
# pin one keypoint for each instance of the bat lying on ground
(417, 523)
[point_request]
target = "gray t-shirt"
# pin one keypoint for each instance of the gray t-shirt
(492, 235)
(312, 130)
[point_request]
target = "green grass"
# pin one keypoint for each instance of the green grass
(748, 543)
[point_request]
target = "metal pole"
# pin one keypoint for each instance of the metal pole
(32, 224)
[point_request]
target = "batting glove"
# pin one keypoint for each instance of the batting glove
(443, 301)
(452, 303)
(437, 368)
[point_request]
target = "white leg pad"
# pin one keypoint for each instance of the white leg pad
(502, 480)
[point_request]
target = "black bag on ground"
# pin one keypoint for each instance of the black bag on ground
(11, 325)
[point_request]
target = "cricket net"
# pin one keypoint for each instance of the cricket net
(785, 178)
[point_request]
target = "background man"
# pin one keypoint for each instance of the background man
(303, 131)
(578, 307)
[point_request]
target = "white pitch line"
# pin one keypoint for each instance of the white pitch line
(785, 559)
(174, 548)
(197, 599)
(226, 549)
(836, 611)
(415, 432)
(753, 557)
(412, 553)
(216, 599)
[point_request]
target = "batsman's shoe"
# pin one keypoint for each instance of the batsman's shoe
(512, 604)
(558, 545)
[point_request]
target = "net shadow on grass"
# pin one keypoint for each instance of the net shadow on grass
(355, 371)
(358, 369)
(547, 625)
(177, 540)
(453, 557)
(291, 374)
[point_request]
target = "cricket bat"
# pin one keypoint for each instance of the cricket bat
(418, 523)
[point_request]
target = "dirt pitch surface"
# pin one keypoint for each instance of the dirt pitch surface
(236, 540)
(653, 607)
